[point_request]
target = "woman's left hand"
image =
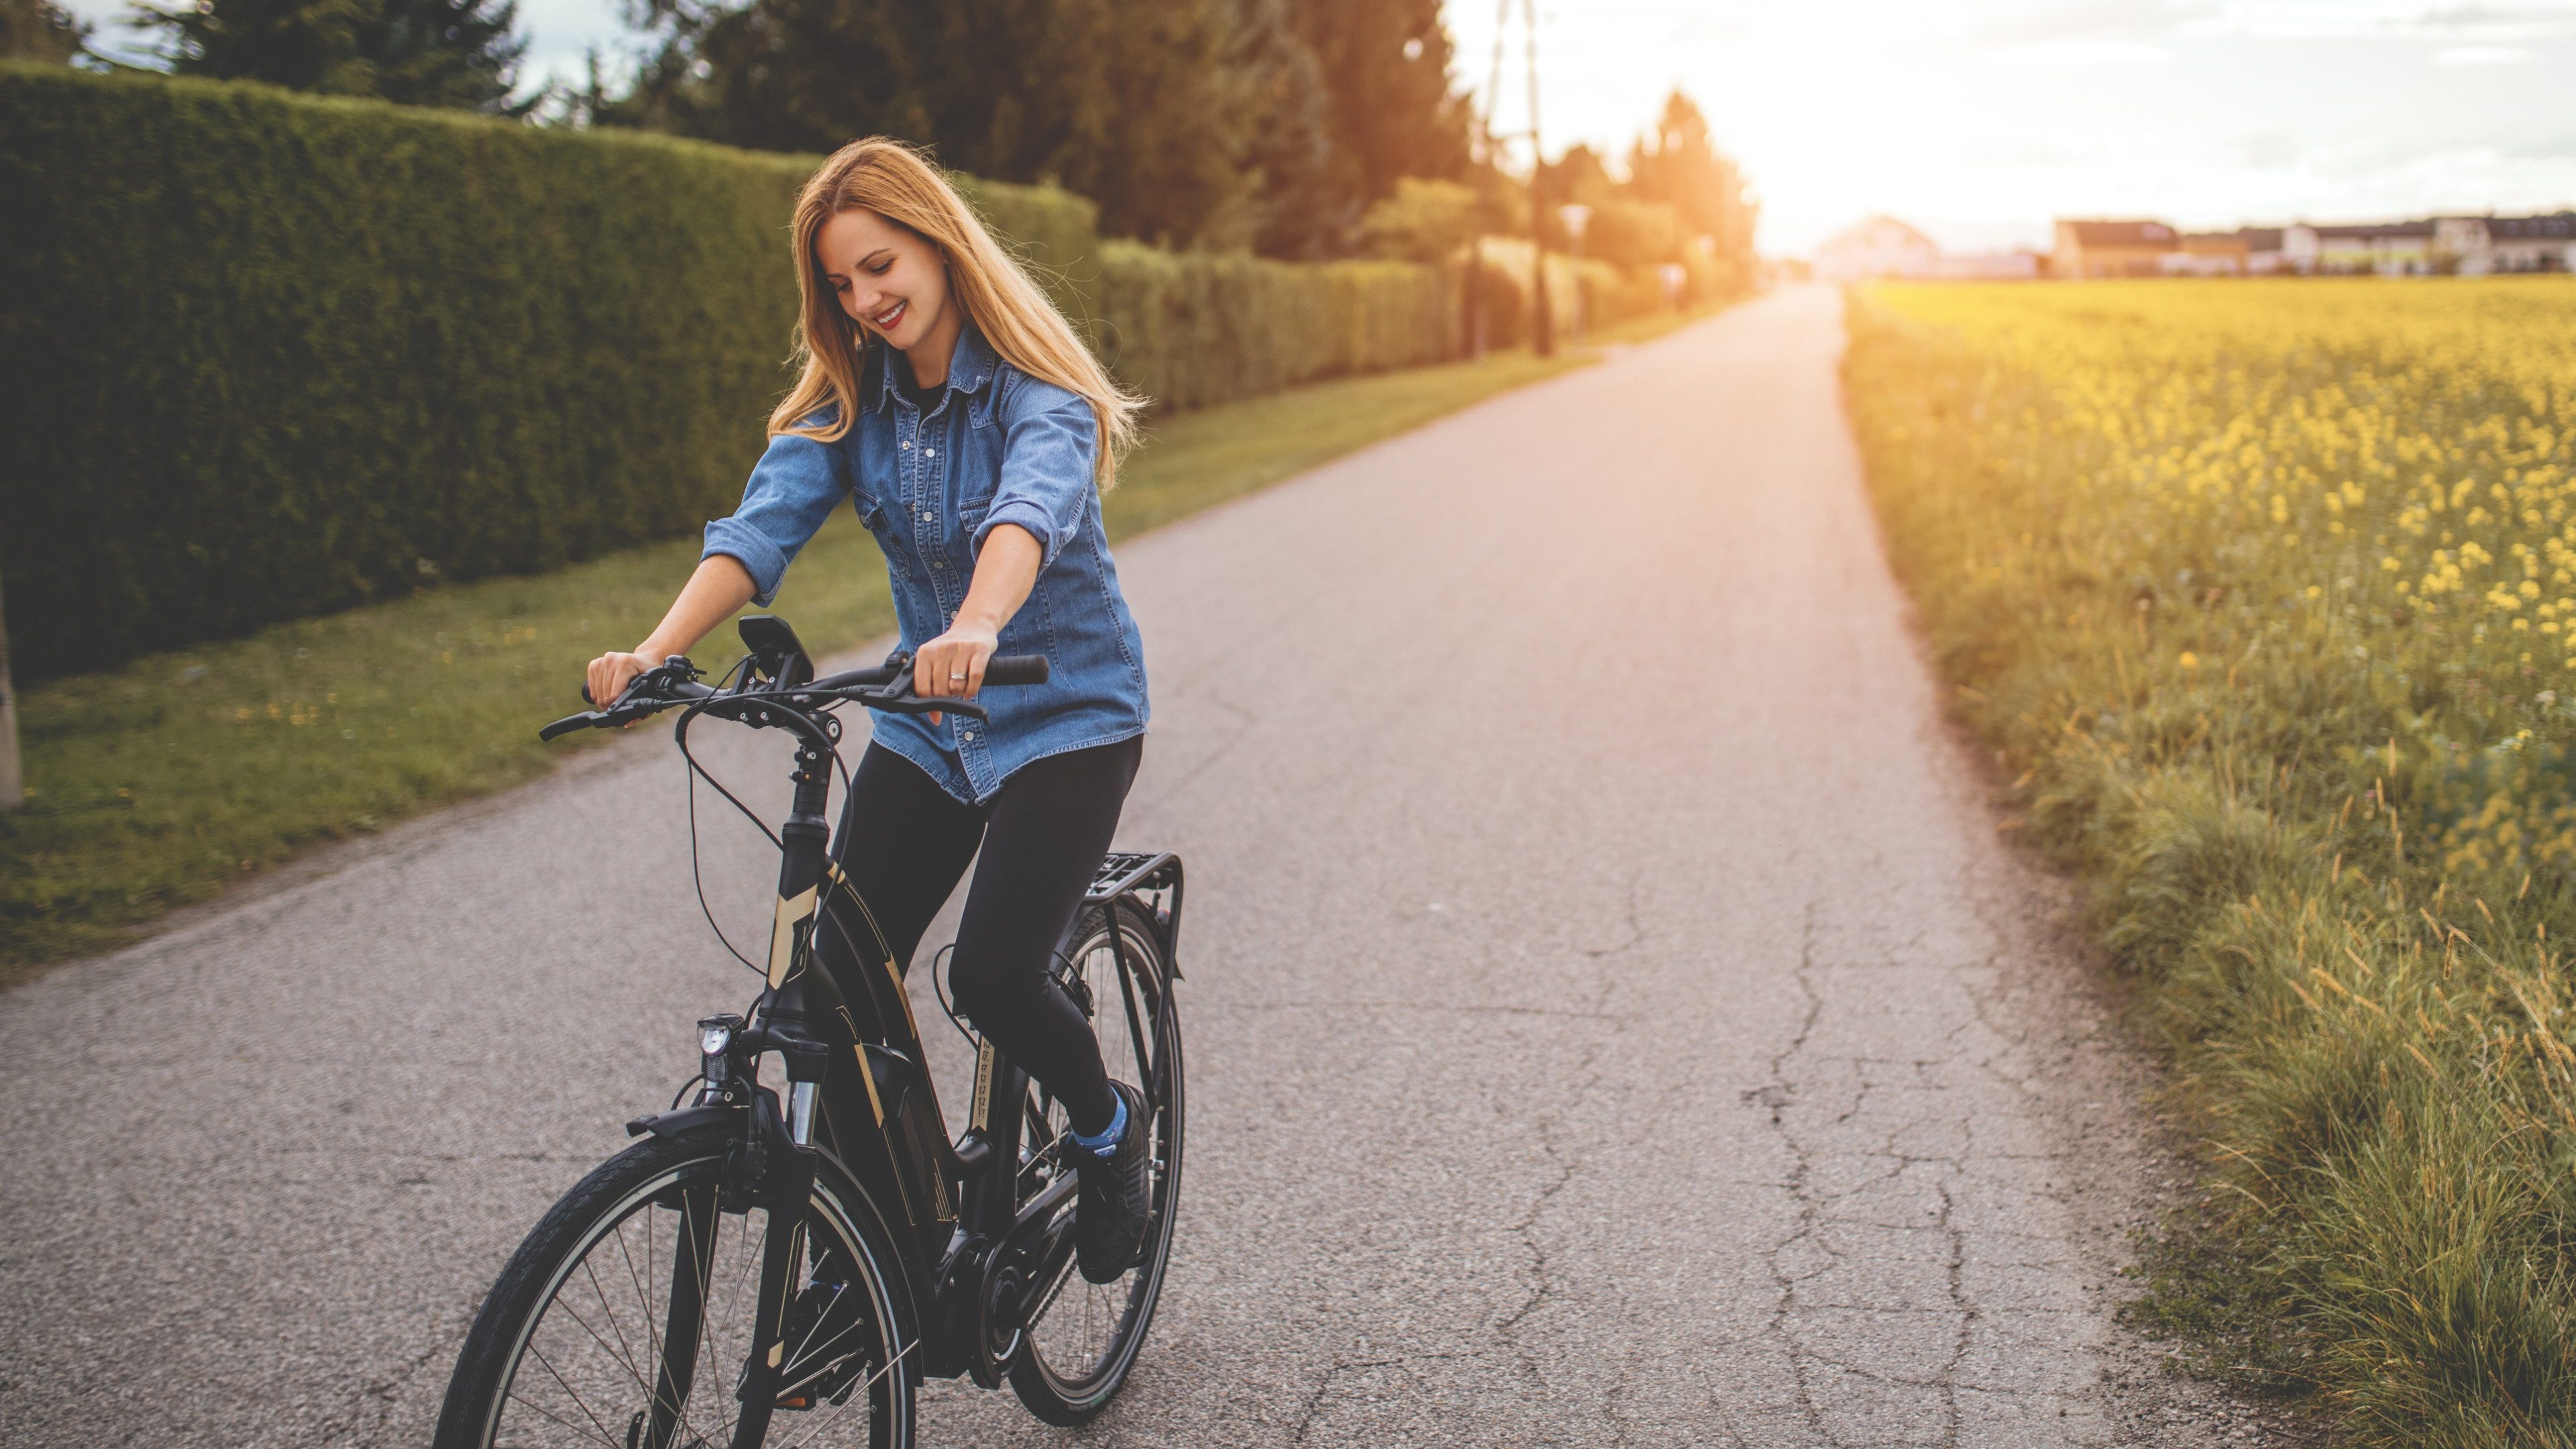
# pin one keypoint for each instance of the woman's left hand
(952, 665)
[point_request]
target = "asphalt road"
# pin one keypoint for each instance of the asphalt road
(1611, 1016)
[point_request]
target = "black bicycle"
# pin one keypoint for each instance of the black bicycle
(762, 1268)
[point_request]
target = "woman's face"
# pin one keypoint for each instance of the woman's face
(892, 282)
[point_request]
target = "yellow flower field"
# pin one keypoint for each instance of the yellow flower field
(2265, 595)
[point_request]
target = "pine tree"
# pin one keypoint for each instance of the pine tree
(1393, 113)
(1678, 165)
(1145, 106)
(462, 54)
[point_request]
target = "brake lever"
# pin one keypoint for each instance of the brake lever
(897, 698)
(676, 670)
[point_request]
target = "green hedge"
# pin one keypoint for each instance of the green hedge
(271, 355)
(1192, 329)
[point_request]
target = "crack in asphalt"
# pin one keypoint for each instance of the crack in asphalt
(1868, 1144)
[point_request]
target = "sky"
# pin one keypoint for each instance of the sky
(1982, 120)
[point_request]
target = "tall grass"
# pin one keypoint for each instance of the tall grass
(2265, 597)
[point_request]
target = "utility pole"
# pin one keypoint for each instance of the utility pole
(13, 784)
(1485, 156)
(1575, 215)
(1542, 321)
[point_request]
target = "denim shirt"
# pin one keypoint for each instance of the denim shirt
(997, 446)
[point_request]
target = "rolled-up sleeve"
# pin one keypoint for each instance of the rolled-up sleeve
(792, 491)
(1047, 454)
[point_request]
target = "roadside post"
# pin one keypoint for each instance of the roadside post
(1575, 214)
(1542, 320)
(13, 784)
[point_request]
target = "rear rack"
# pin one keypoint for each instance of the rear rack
(1122, 871)
(1126, 873)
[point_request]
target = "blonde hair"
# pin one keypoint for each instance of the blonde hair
(1024, 328)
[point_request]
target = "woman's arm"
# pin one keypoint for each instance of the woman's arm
(717, 591)
(1006, 568)
(792, 489)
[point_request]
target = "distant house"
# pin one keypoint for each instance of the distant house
(2266, 249)
(2387, 248)
(2210, 254)
(1882, 246)
(2477, 245)
(1987, 266)
(2113, 248)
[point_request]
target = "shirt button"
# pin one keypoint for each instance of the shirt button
(907, 442)
(930, 452)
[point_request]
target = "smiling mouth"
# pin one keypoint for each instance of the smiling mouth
(884, 321)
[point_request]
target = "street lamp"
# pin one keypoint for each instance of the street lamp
(1576, 216)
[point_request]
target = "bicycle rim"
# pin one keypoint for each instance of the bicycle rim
(591, 1362)
(1083, 1337)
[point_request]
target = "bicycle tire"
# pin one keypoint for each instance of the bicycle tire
(1067, 1394)
(672, 1175)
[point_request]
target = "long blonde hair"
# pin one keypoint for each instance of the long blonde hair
(1024, 328)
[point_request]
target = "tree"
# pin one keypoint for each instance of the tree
(1155, 109)
(1392, 112)
(39, 30)
(1678, 165)
(1288, 115)
(462, 54)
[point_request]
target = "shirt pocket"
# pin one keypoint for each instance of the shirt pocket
(873, 514)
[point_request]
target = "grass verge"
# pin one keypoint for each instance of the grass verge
(164, 781)
(2260, 594)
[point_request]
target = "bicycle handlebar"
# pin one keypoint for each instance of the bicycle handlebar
(886, 686)
(1002, 669)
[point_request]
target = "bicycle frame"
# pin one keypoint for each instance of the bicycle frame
(859, 1091)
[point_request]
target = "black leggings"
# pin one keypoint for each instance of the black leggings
(904, 842)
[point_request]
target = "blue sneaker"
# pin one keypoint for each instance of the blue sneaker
(1117, 1195)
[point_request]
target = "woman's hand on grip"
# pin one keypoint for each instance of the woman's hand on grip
(610, 673)
(952, 665)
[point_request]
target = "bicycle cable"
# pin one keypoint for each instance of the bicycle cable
(944, 952)
(697, 875)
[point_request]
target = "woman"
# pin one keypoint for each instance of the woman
(949, 401)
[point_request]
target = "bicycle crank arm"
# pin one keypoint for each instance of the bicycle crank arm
(1035, 1219)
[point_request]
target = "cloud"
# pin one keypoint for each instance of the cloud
(2484, 55)
(2053, 54)
(2396, 20)
(2032, 25)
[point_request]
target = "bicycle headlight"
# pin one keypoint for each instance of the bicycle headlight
(715, 1042)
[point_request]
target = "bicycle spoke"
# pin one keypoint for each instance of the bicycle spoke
(558, 1418)
(577, 1400)
(625, 1354)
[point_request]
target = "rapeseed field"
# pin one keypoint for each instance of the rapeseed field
(2264, 596)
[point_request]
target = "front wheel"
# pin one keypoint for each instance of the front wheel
(1083, 1337)
(626, 1319)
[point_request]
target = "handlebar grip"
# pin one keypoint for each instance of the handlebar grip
(1008, 669)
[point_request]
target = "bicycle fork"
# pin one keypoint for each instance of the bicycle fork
(790, 1179)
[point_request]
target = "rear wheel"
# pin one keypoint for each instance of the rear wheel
(1082, 1338)
(625, 1319)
